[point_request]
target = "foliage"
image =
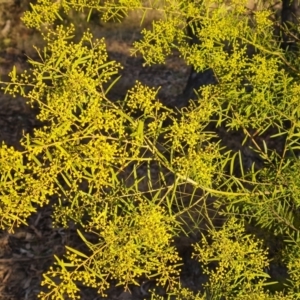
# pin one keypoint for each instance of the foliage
(87, 140)
(240, 259)
(131, 245)
(79, 157)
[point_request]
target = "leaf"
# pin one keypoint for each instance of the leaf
(68, 265)
(13, 74)
(35, 159)
(76, 251)
(66, 179)
(232, 163)
(241, 163)
(60, 186)
(90, 245)
(265, 147)
(62, 150)
(111, 85)
(140, 131)
(89, 15)
(60, 263)
(61, 57)
(58, 15)
(80, 61)
(48, 154)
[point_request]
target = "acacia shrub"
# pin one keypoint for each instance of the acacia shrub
(87, 138)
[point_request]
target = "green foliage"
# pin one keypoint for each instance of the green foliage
(131, 245)
(85, 139)
(47, 11)
(87, 143)
(241, 260)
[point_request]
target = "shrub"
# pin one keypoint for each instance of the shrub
(87, 140)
